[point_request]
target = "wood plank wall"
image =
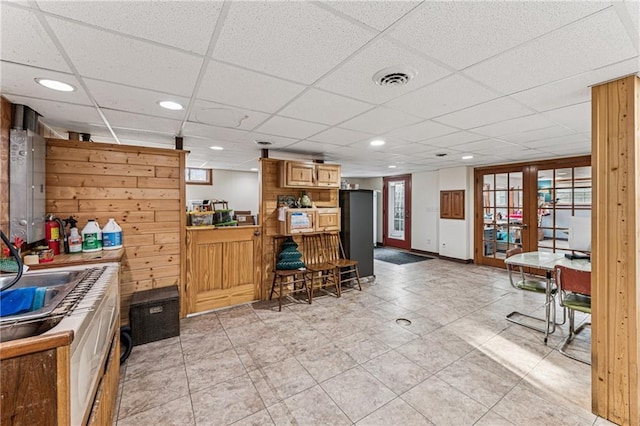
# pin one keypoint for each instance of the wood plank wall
(615, 343)
(5, 126)
(143, 189)
(268, 215)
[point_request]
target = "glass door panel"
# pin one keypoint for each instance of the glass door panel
(396, 211)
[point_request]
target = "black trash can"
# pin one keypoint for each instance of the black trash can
(155, 315)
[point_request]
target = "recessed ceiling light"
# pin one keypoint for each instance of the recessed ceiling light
(216, 148)
(173, 106)
(377, 142)
(254, 169)
(392, 166)
(467, 157)
(55, 85)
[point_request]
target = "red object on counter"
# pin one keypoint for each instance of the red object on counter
(52, 234)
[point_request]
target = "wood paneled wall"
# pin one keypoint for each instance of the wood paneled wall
(615, 343)
(5, 126)
(142, 189)
(268, 216)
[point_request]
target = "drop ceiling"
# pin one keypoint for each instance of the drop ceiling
(502, 81)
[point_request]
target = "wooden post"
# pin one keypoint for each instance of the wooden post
(615, 344)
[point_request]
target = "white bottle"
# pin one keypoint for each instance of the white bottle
(111, 235)
(91, 237)
(75, 241)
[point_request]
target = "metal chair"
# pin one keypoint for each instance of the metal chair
(347, 269)
(574, 287)
(296, 278)
(314, 253)
(535, 284)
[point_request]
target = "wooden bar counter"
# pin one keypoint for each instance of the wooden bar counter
(223, 266)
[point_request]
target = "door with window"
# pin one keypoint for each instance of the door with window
(530, 206)
(396, 211)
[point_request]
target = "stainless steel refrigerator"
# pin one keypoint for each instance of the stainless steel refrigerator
(357, 209)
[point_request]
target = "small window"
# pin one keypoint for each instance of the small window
(198, 176)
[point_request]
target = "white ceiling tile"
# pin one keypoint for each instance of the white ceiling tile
(521, 124)
(20, 79)
(309, 147)
(376, 14)
(140, 101)
(212, 132)
(562, 141)
(487, 145)
(294, 40)
(323, 107)
(573, 90)
(409, 149)
(576, 117)
(463, 33)
(391, 144)
(237, 86)
(184, 24)
(355, 77)
(276, 141)
(442, 97)
(230, 148)
(58, 111)
(129, 121)
(453, 139)
(379, 121)
(127, 61)
(25, 41)
(533, 135)
(422, 131)
(290, 128)
(486, 113)
(138, 138)
(338, 136)
(584, 46)
(215, 114)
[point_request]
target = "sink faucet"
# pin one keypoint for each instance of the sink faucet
(16, 256)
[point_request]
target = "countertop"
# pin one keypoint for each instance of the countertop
(60, 260)
(209, 227)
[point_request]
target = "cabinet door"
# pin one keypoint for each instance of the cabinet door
(328, 175)
(328, 219)
(298, 174)
(298, 221)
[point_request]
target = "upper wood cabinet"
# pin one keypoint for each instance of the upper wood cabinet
(328, 219)
(328, 175)
(309, 175)
(452, 204)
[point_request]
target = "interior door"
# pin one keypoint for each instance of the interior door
(396, 211)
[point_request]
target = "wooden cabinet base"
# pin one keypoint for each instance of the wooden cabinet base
(105, 403)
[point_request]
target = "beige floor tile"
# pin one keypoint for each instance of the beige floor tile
(395, 371)
(443, 405)
(521, 406)
(431, 356)
(492, 419)
(205, 345)
(179, 412)
(362, 346)
(226, 402)
(357, 393)
(396, 412)
(153, 390)
(217, 368)
(263, 352)
(393, 334)
(301, 340)
(248, 334)
(199, 324)
(284, 379)
(237, 316)
(261, 418)
(152, 357)
(310, 407)
(326, 361)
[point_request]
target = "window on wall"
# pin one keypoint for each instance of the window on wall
(562, 193)
(195, 176)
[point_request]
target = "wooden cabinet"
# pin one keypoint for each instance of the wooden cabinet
(223, 267)
(298, 221)
(295, 174)
(328, 175)
(328, 219)
(105, 402)
(452, 204)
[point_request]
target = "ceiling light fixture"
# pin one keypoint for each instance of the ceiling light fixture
(55, 85)
(467, 157)
(216, 148)
(394, 76)
(377, 142)
(392, 166)
(173, 106)
(254, 169)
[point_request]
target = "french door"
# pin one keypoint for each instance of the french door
(529, 205)
(396, 211)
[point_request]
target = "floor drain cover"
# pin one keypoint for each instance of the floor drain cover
(403, 321)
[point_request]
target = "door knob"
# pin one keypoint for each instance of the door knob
(524, 226)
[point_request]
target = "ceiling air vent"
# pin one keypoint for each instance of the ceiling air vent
(263, 142)
(440, 154)
(394, 76)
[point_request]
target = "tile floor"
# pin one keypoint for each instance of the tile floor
(346, 361)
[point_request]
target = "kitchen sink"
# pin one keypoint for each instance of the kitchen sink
(56, 285)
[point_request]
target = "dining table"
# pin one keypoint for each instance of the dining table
(547, 261)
